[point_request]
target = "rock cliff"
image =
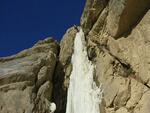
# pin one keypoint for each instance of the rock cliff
(118, 43)
(26, 79)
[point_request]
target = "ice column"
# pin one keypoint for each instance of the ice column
(83, 94)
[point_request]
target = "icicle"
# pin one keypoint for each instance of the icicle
(83, 94)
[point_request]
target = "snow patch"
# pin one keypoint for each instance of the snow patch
(52, 107)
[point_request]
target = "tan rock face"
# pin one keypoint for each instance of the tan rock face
(123, 14)
(26, 79)
(144, 103)
(122, 110)
(134, 49)
(118, 44)
(91, 12)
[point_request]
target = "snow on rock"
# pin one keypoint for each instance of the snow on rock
(83, 94)
(52, 107)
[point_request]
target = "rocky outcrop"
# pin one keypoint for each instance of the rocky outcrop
(33, 79)
(26, 79)
(123, 15)
(63, 70)
(118, 44)
(91, 12)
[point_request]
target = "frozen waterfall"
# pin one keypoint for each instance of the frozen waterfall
(83, 94)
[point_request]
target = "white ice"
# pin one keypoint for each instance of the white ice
(83, 94)
(52, 107)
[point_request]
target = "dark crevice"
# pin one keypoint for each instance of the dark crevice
(59, 95)
(112, 103)
(147, 86)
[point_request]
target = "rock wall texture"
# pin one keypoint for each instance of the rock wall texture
(118, 42)
(26, 79)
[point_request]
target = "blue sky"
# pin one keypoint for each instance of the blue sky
(24, 22)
